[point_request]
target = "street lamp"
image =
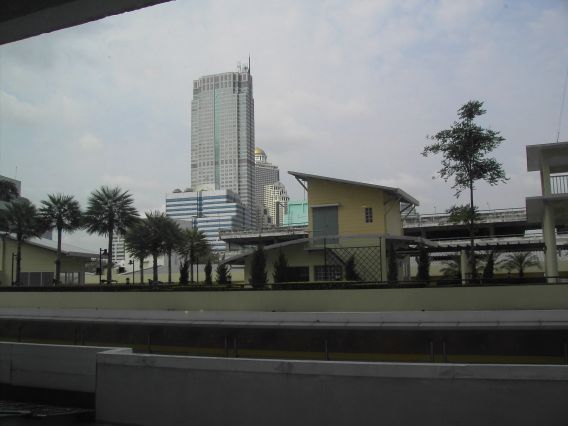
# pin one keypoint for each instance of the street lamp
(131, 262)
(13, 256)
(102, 252)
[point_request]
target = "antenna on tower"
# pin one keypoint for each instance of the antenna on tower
(249, 63)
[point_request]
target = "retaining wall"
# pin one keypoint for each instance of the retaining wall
(168, 390)
(368, 300)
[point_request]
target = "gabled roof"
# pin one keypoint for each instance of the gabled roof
(66, 249)
(397, 192)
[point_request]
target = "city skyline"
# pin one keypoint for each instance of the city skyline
(346, 90)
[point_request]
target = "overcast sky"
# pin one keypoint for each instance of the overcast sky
(342, 89)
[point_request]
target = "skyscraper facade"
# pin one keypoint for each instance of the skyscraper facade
(276, 202)
(208, 211)
(265, 174)
(222, 135)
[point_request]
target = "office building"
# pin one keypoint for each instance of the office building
(265, 174)
(222, 136)
(208, 211)
(276, 202)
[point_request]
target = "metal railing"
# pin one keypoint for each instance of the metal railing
(485, 216)
(559, 184)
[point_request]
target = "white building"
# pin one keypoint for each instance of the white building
(265, 174)
(208, 211)
(276, 202)
(222, 135)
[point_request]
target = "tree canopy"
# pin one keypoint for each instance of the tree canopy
(465, 149)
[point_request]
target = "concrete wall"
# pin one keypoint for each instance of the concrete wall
(68, 368)
(371, 300)
(168, 390)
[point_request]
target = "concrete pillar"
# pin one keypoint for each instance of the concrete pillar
(464, 265)
(549, 236)
(384, 263)
(544, 176)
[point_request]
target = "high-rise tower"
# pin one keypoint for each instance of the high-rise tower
(222, 135)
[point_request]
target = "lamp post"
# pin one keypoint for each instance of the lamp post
(13, 256)
(131, 262)
(102, 252)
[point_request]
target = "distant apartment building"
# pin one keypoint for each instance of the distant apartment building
(208, 211)
(222, 136)
(276, 202)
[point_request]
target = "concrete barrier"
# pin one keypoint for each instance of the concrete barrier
(57, 367)
(368, 300)
(169, 390)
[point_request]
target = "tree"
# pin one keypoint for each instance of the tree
(490, 259)
(63, 213)
(258, 274)
(136, 244)
(157, 225)
(21, 218)
(208, 269)
(464, 148)
(192, 245)
(8, 191)
(520, 261)
(393, 264)
(451, 268)
(223, 275)
(110, 212)
(423, 261)
(171, 236)
(280, 273)
(350, 270)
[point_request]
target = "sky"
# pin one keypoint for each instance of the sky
(342, 89)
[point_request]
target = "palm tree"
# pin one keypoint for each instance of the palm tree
(109, 212)
(452, 267)
(154, 227)
(192, 245)
(20, 217)
(8, 191)
(172, 235)
(136, 244)
(63, 213)
(520, 261)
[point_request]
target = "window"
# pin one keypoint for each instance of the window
(368, 215)
(298, 273)
(327, 273)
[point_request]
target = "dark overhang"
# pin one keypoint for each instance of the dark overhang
(20, 19)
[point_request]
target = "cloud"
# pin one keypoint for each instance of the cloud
(90, 142)
(345, 89)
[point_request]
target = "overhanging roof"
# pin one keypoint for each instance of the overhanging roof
(556, 156)
(558, 203)
(66, 249)
(20, 19)
(397, 192)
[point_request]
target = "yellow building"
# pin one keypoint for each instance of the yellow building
(351, 227)
(38, 262)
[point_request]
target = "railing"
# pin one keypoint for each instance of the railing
(485, 216)
(559, 184)
(282, 230)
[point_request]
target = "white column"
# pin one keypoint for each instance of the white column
(549, 236)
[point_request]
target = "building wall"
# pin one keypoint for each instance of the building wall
(353, 199)
(35, 259)
(536, 296)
